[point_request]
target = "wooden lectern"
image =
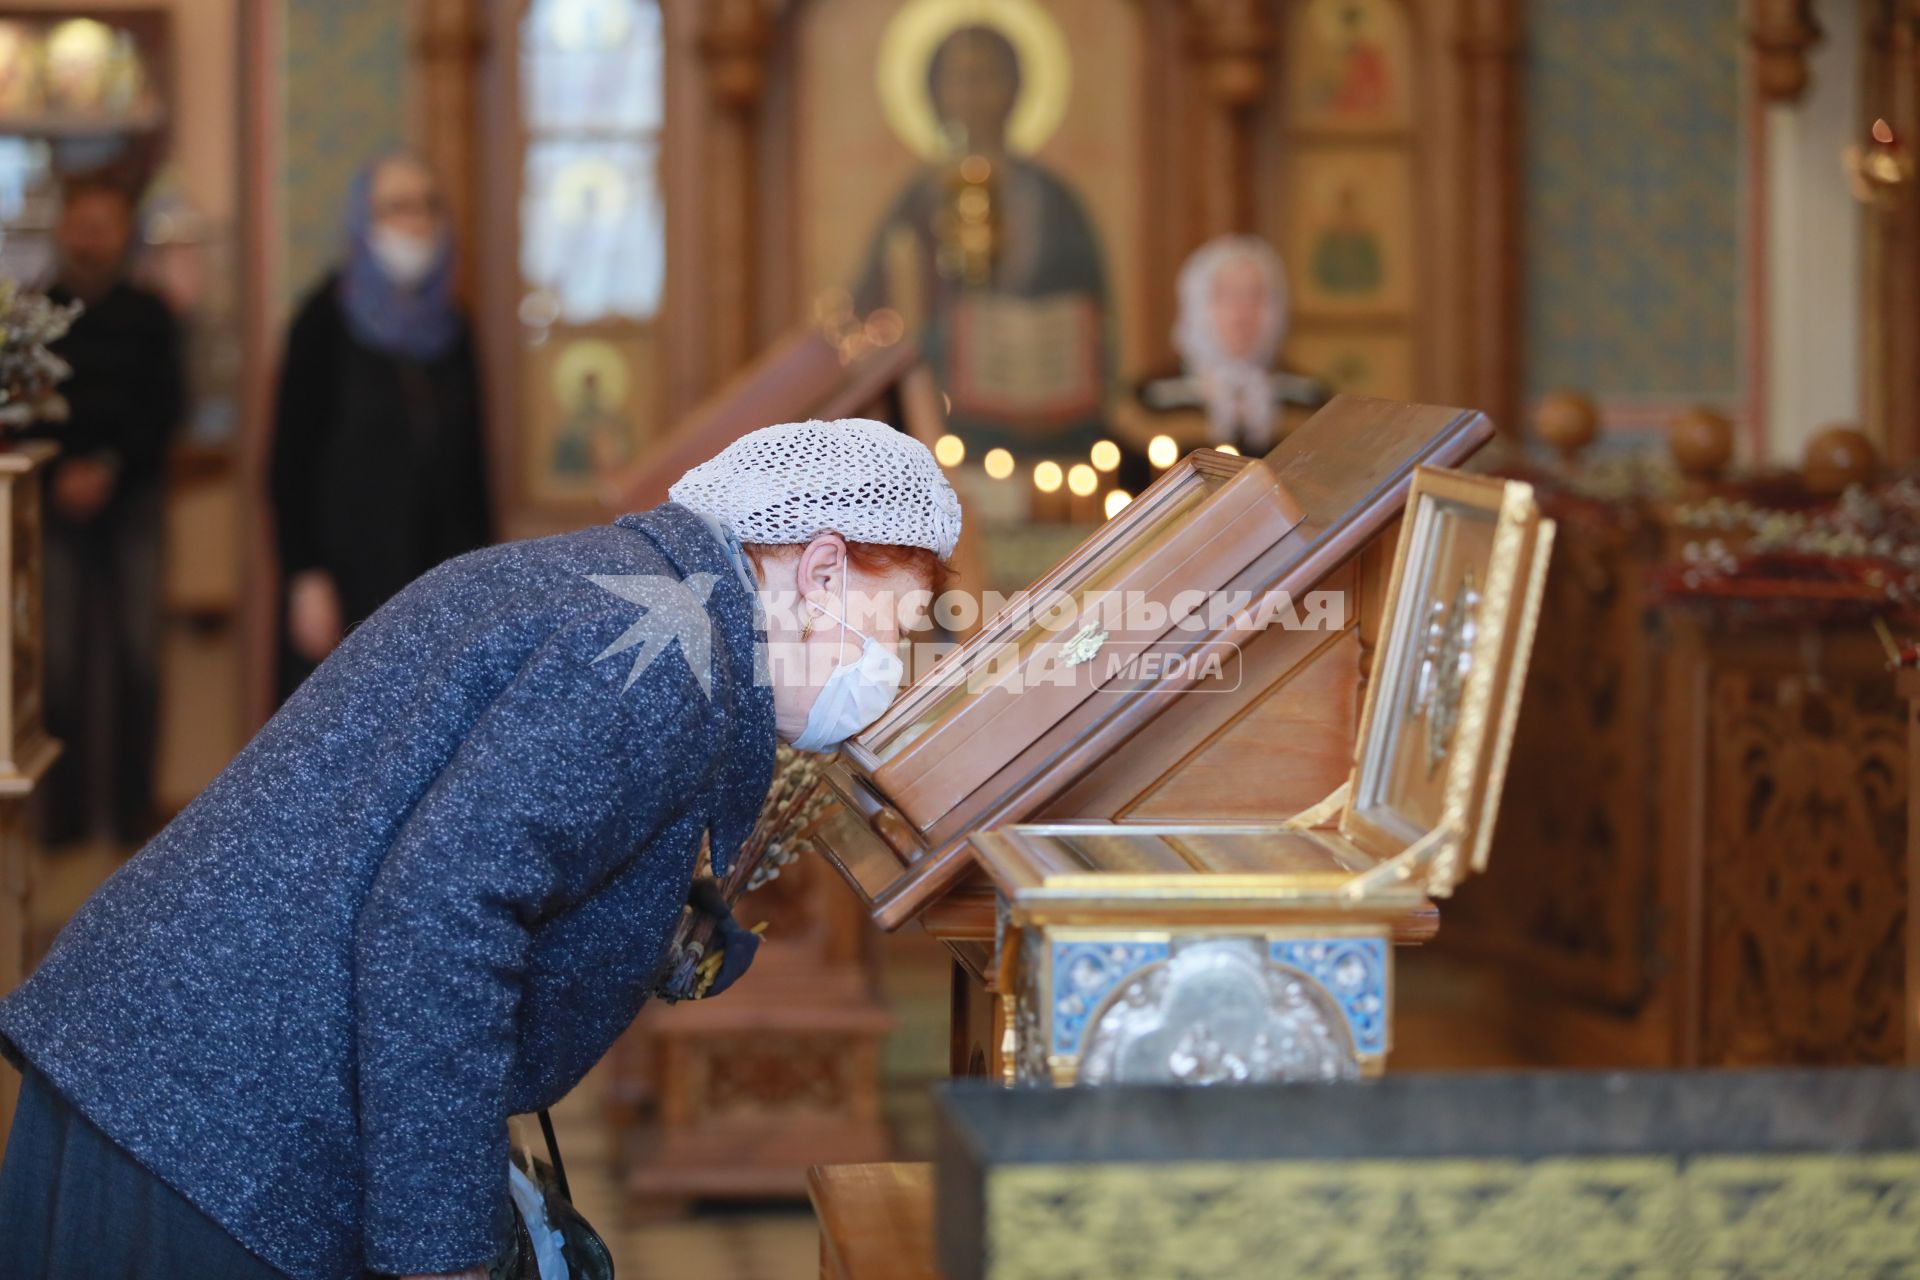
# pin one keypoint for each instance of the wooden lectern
(1146, 953)
(1184, 708)
(26, 749)
(1204, 953)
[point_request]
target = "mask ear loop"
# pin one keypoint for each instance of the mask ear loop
(846, 581)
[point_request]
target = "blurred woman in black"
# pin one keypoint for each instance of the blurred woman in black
(378, 462)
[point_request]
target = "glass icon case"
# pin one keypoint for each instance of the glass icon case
(1200, 953)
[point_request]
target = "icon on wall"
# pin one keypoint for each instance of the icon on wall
(1346, 255)
(1348, 65)
(1352, 231)
(588, 392)
(989, 248)
(73, 68)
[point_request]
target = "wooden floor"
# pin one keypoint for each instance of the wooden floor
(768, 1242)
(756, 1243)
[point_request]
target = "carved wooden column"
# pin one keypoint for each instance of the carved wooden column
(1781, 32)
(1891, 323)
(1907, 685)
(448, 41)
(1489, 49)
(1235, 45)
(26, 750)
(734, 43)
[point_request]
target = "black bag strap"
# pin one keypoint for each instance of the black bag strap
(553, 1154)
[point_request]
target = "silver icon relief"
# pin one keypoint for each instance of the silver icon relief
(1218, 1012)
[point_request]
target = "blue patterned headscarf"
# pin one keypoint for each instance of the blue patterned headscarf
(420, 323)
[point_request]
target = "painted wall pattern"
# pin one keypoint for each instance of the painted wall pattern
(1633, 198)
(346, 65)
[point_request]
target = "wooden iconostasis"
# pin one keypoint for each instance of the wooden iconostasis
(659, 189)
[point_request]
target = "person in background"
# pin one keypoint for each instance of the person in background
(104, 503)
(378, 468)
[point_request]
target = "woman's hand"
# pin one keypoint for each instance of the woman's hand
(736, 944)
(313, 614)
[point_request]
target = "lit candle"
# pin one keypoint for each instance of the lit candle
(1050, 497)
(1083, 482)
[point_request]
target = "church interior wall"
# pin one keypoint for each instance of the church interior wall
(1635, 206)
(345, 85)
(1485, 203)
(1814, 245)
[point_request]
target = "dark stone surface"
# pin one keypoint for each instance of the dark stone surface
(1521, 1114)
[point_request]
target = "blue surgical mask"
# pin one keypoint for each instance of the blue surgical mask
(855, 693)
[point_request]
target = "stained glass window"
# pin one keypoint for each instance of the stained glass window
(593, 224)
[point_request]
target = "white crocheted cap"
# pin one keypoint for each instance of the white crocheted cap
(856, 477)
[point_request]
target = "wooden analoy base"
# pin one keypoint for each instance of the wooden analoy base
(876, 1221)
(746, 1094)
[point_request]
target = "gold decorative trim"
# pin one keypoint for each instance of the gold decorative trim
(1508, 602)
(1325, 811)
(1787, 1215)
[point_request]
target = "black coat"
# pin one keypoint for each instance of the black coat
(127, 392)
(378, 466)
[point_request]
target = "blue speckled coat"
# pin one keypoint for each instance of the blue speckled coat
(429, 894)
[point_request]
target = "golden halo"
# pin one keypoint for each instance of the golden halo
(591, 176)
(591, 355)
(581, 25)
(907, 48)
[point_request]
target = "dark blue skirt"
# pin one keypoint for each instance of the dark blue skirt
(73, 1206)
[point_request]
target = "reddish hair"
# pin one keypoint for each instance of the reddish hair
(885, 557)
(877, 558)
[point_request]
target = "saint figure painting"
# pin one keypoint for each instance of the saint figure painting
(988, 252)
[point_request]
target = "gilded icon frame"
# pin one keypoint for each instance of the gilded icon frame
(1447, 511)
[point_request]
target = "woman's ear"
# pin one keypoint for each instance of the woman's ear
(821, 565)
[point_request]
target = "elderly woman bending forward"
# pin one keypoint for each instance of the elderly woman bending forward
(286, 1037)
